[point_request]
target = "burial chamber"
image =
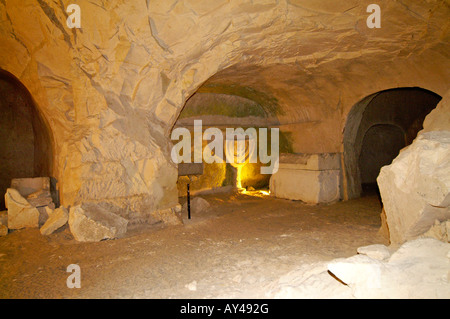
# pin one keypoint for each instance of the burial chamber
(111, 91)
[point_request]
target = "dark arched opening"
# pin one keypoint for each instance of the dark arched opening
(376, 115)
(381, 144)
(25, 140)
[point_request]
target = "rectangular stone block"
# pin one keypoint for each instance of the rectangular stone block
(186, 169)
(311, 178)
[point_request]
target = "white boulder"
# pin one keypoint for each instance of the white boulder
(418, 269)
(415, 188)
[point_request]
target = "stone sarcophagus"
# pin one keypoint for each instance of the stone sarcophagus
(311, 178)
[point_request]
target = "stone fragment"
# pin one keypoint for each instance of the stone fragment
(20, 213)
(415, 188)
(418, 269)
(37, 193)
(169, 216)
(192, 286)
(92, 223)
(198, 205)
(40, 198)
(378, 252)
(44, 213)
(57, 219)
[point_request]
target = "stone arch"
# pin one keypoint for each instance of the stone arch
(26, 146)
(405, 108)
(223, 102)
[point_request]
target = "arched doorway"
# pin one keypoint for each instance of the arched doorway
(25, 140)
(381, 144)
(370, 128)
(223, 111)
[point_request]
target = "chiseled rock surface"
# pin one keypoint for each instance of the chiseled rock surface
(112, 90)
(415, 188)
(20, 213)
(92, 223)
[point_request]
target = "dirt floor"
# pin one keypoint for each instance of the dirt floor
(238, 249)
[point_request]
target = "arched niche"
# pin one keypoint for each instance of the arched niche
(381, 144)
(404, 108)
(25, 139)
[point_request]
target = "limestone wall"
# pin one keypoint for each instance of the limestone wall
(112, 90)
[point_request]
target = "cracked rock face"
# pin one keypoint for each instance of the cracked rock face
(415, 188)
(111, 91)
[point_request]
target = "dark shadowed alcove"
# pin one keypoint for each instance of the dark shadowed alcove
(377, 128)
(25, 141)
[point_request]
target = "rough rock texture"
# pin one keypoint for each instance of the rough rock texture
(20, 213)
(169, 216)
(37, 193)
(415, 188)
(111, 91)
(41, 198)
(439, 231)
(91, 223)
(439, 118)
(57, 219)
(378, 252)
(417, 269)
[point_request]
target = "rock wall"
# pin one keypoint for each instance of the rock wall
(112, 90)
(415, 188)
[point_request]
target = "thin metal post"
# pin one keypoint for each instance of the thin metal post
(188, 202)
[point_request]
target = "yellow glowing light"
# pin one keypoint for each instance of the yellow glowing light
(239, 177)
